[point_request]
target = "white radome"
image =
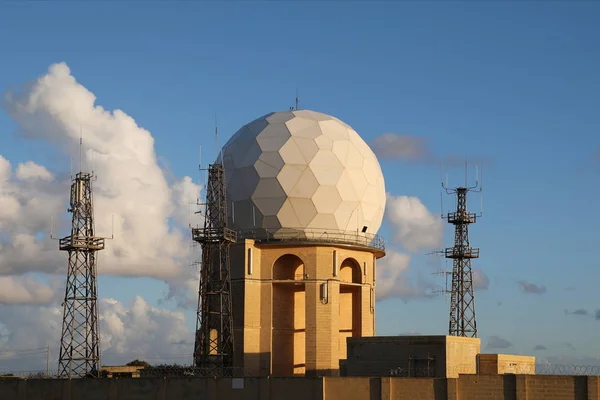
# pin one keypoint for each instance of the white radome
(302, 170)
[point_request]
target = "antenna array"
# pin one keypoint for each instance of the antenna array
(80, 342)
(462, 299)
(213, 347)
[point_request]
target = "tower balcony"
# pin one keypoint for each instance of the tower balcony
(461, 252)
(75, 242)
(457, 218)
(213, 235)
(314, 236)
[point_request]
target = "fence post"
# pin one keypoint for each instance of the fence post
(521, 387)
(593, 387)
(452, 388)
(23, 389)
(386, 388)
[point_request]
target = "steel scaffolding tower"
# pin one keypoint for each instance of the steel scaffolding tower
(462, 299)
(80, 343)
(213, 347)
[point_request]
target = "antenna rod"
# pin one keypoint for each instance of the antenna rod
(233, 212)
(216, 135)
(80, 147)
(466, 172)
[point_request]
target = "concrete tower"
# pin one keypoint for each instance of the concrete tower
(306, 195)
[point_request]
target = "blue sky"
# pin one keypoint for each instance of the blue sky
(512, 83)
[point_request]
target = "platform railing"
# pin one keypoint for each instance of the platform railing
(308, 235)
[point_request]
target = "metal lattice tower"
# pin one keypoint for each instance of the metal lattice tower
(80, 343)
(462, 298)
(213, 347)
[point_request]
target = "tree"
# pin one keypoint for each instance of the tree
(138, 363)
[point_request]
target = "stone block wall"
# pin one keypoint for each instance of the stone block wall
(466, 387)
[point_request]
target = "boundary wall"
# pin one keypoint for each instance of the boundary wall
(465, 387)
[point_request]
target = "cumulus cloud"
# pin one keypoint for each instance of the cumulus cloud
(392, 146)
(150, 214)
(417, 150)
(24, 290)
(496, 342)
(393, 279)
(127, 331)
(151, 217)
(31, 171)
(480, 279)
(529, 287)
(415, 227)
(25, 331)
(539, 347)
(143, 331)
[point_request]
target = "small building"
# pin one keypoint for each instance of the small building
(498, 364)
(121, 371)
(414, 356)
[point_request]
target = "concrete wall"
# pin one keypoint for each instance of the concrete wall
(466, 387)
(505, 364)
(377, 356)
(461, 354)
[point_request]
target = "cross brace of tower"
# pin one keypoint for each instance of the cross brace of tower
(213, 347)
(462, 299)
(80, 342)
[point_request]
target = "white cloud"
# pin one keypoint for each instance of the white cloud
(151, 217)
(480, 279)
(24, 290)
(31, 170)
(415, 227)
(130, 184)
(393, 281)
(402, 147)
(186, 195)
(127, 332)
(145, 332)
(25, 331)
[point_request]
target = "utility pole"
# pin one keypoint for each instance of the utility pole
(48, 361)
(462, 298)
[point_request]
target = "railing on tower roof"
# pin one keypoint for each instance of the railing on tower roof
(313, 235)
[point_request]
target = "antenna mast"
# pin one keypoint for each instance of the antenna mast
(80, 340)
(213, 347)
(292, 107)
(462, 299)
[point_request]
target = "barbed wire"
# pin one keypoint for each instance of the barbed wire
(558, 369)
(432, 371)
(538, 369)
(27, 374)
(212, 372)
(189, 371)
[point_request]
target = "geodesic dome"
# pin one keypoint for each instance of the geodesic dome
(302, 171)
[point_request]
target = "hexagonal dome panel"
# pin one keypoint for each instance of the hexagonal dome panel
(302, 170)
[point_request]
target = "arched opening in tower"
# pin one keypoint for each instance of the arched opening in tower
(289, 321)
(350, 302)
